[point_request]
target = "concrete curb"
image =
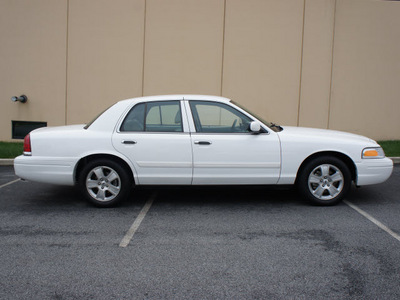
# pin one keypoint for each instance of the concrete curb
(6, 162)
(10, 162)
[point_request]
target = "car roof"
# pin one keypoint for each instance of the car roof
(178, 97)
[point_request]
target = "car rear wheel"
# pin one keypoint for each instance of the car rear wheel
(324, 180)
(104, 183)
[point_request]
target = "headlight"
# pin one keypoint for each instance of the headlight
(373, 153)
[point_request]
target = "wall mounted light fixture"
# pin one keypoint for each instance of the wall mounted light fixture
(21, 99)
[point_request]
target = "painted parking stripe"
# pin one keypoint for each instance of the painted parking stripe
(129, 235)
(373, 220)
(11, 182)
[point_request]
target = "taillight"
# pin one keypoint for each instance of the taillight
(27, 145)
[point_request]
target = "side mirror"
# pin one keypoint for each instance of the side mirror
(255, 127)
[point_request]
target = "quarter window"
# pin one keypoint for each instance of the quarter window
(162, 116)
(218, 118)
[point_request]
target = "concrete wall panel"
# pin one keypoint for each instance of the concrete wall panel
(184, 41)
(32, 62)
(317, 63)
(262, 56)
(105, 55)
(366, 69)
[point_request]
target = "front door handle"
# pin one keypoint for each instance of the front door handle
(202, 143)
(128, 142)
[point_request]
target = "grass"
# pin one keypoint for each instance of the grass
(13, 149)
(391, 148)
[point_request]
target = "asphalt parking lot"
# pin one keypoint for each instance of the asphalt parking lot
(198, 243)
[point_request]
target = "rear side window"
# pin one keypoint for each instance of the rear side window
(163, 116)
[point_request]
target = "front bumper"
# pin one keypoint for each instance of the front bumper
(373, 171)
(45, 169)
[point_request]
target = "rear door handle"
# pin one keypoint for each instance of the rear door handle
(202, 143)
(129, 142)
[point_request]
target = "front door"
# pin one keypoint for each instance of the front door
(226, 152)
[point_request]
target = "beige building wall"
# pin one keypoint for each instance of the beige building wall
(105, 55)
(183, 47)
(33, 49)
(316, 70)
(262, 57)
(365, 96)
(318, 63)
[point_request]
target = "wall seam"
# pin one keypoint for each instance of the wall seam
(332, 61)
(144, 44)
(66, 68)
(223, 48)
(301, 64)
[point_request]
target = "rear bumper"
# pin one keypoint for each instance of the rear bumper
(44, 169)
(373, 171)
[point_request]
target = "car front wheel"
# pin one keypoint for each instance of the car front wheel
(104, 183)
(324, 180)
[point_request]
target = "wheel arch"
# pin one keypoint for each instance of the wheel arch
(343, 157)
(85, 160)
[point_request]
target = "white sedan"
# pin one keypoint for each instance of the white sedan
(197, 140)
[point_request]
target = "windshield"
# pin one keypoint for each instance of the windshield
(272, 126)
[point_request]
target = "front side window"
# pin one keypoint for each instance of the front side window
(213, 117)
(163, 116)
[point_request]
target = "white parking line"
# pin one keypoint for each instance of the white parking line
(373, 220)
(11, 182)
(129, 235)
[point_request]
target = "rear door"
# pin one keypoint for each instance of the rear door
(154, 135)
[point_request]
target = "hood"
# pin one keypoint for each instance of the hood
(323, 134)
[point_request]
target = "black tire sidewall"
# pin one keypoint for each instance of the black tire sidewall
(122, 173)
(302, 183)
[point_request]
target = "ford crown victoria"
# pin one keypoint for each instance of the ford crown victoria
(197, 140)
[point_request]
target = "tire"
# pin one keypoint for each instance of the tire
(324, 180)
(104, 183)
